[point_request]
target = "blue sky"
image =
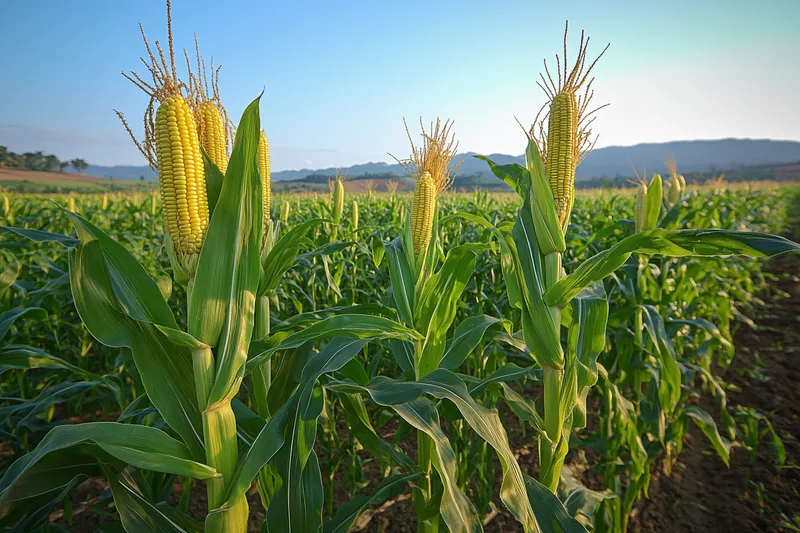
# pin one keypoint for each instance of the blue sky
(339, 76)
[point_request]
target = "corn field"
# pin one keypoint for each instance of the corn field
(214, 357)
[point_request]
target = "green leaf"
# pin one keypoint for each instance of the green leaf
(135, 290)
(588, 335)
(550, 513)
(165, 368)
(516, 176)
(347, 514)
(70, 451)
(306, 319)
(283, 255)
(136, 512)
(223, 299)
(360, 426)
(21, 357)
(287, 510)
(36, 235)
(353, 326)
(403, 353)
(669, 392)
(214, 180)
(436, 309)
(709, 428)
(456, 509)
(541, 334)
(469, 333)
(543, 205)
(658, 241)
(402, 280)
(8, 318)
(443, 384)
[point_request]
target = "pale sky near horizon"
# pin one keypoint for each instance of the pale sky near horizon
(339, 76)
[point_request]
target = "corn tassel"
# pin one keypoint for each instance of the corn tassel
(213, 135)
(422, 212)
(182, 180)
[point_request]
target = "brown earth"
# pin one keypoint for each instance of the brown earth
(12, 174)
(702, 494)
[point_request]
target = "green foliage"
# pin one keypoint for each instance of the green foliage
(365, 353)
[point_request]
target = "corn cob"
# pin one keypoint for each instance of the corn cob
(285, 212)
(561, 151)
(213, 134)
(567, 140)
(677, 183)
(430, 165)
(172, 146)
(337, 202)
(354, 218)
(422, 211)
(182, 179)
(209, 113)
(641, 206)
(263, 170)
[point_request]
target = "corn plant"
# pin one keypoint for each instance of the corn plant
(551, 299)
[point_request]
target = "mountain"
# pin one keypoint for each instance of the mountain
(121, 172)
(692, 156)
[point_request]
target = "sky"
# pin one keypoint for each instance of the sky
(338, 77)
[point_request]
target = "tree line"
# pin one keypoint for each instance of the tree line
(39, 161)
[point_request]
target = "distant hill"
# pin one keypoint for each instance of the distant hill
(121, 172)
(609, 162)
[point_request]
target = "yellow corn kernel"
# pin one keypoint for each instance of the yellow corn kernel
(181, 177)
(641, 206)
(422, 212)
(263, 170)
(562, 144)
(213, 135)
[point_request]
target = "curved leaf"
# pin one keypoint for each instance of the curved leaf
(223, 299)
(678, 243)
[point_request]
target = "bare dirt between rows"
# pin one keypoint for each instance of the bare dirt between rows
(701, 494)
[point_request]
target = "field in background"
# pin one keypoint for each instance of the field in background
(34, 182)
(757, 492)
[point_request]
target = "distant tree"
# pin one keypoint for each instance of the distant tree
(15, 160)
(3, 156)
(51, 163)
(79, 165)
(141, 178)
(62, 165)
(33, 161)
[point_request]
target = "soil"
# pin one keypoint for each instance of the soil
(700, 494)
(13, 174)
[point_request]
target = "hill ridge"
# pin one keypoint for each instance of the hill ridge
(609, 161)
